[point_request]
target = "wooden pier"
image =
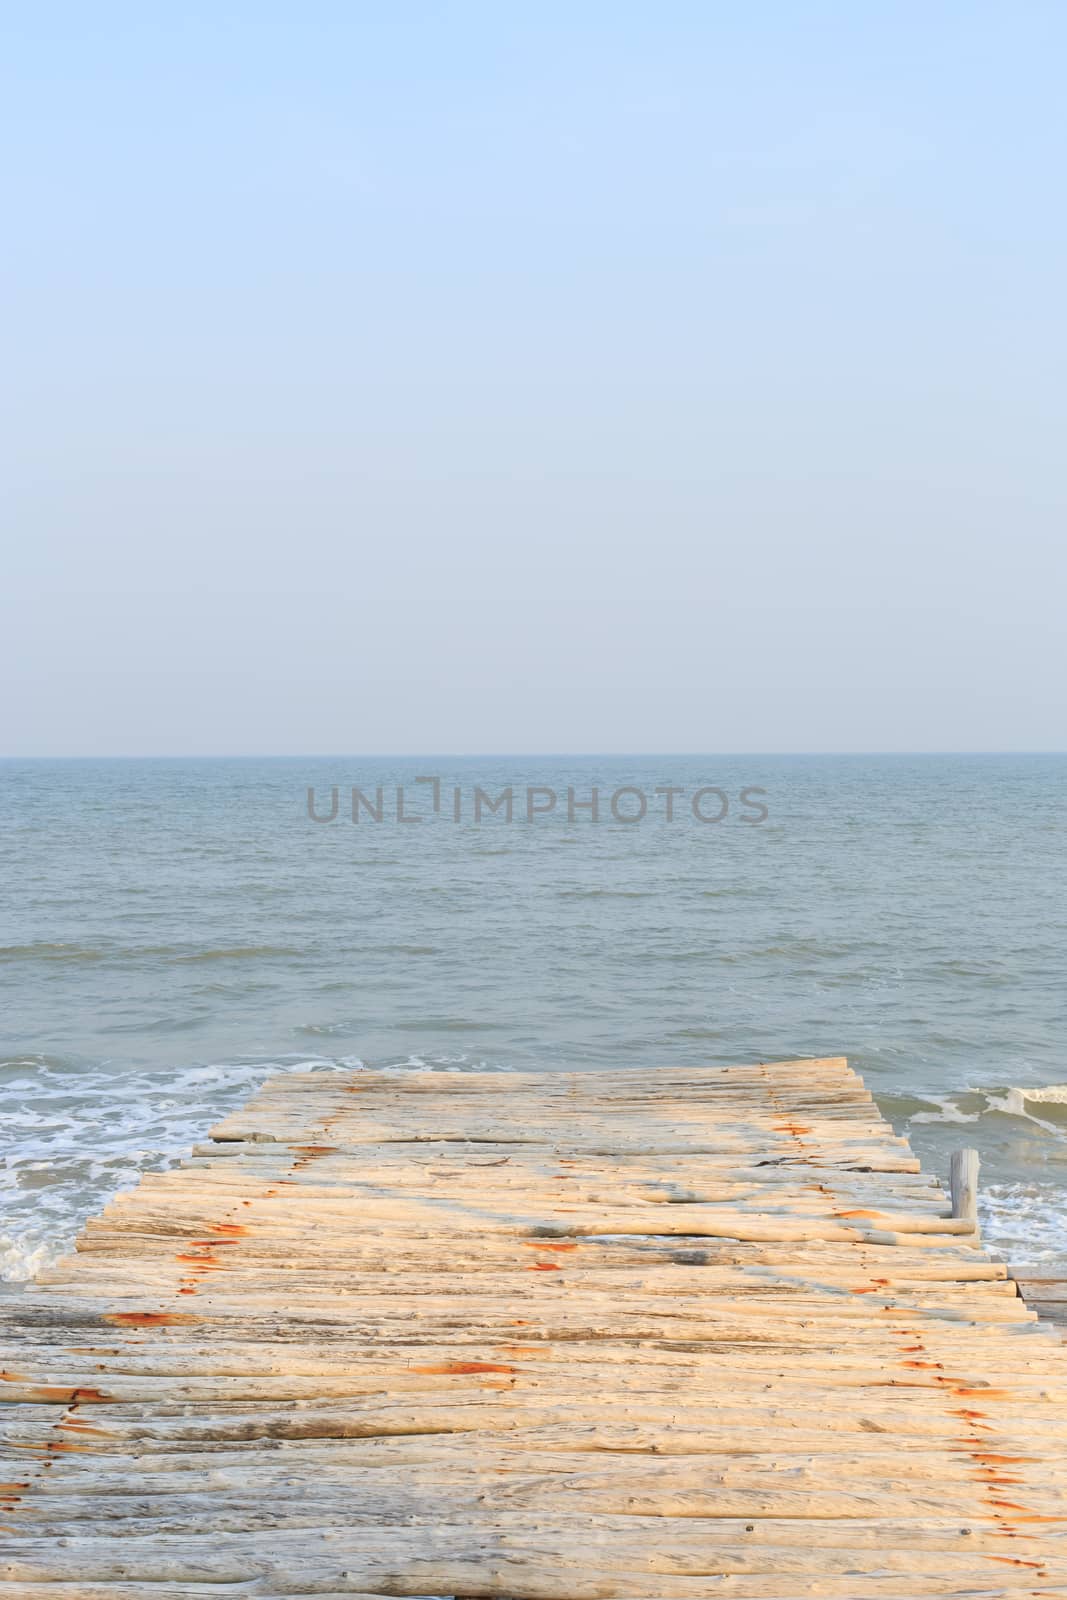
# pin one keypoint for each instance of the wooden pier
(663, 1335)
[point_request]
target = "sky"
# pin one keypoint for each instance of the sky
(410, 377)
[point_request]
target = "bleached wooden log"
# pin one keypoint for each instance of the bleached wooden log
(964, 1184)
(547, 1564)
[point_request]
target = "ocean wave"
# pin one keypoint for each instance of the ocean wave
(973, 1105)
(43, 951)
(695, 1033)
(447, 1025)
(975, 1101)
(605, 894)
(1016, 1103)
(60, 952)
(326, 1030)
(1051, 1094)
(733, 891)
(248, 952)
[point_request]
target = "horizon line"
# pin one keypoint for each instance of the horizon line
(522, 755)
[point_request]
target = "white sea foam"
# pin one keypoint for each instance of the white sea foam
(21, 1260)
(946, 1112)
(1023, 1223)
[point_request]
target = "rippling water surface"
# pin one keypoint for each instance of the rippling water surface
(173, 931)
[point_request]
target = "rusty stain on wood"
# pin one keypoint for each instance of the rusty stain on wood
(450, 1367)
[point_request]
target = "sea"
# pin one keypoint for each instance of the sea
(172, 932)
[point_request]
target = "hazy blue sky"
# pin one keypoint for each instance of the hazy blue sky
(559, 377)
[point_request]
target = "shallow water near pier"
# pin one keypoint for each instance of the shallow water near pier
(172, 932)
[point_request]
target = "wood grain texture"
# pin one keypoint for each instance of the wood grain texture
(1046, 1297)
(963, 1184)
(557, 1336)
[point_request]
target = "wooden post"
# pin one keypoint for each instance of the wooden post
(963, 1181)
